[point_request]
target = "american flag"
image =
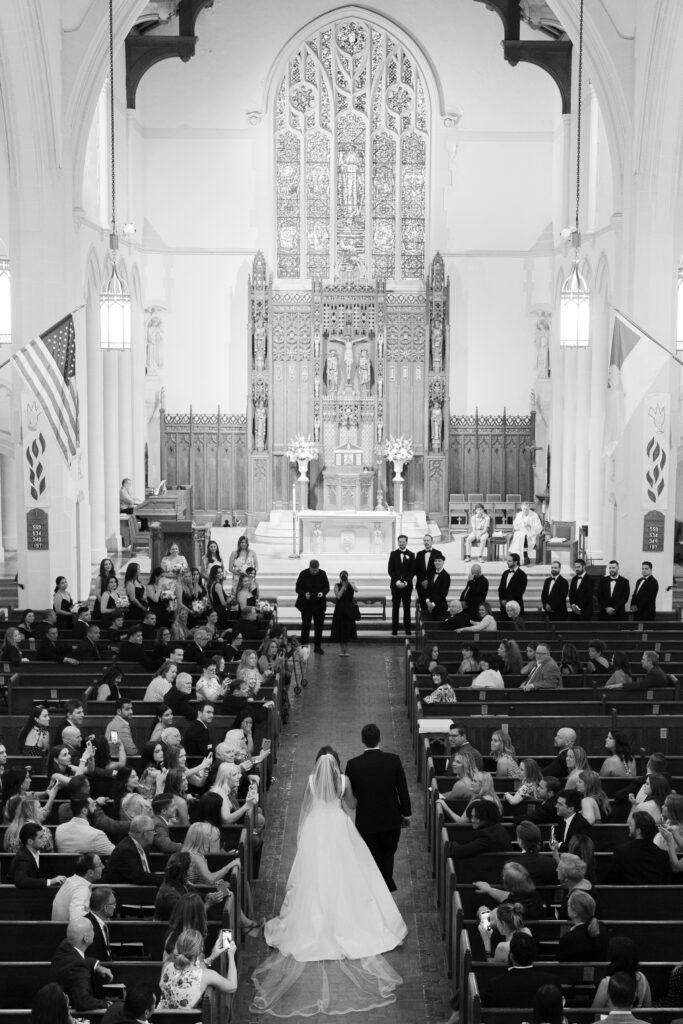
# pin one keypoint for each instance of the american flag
(48, 365)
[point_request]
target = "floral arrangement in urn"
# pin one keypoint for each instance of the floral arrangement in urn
(302, 448)
(399, 449)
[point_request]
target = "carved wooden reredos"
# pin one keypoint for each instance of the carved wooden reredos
(349, 361)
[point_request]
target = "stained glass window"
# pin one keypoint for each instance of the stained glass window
(351, 143)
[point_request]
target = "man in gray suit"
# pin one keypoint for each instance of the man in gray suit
(546, 675)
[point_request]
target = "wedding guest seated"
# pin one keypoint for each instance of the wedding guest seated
(485, 790)
(653, 797)
(88, 649)
(132, 649)
(59, 763)
(25, 870)
(162, 645)
(571, 874)
(630, 984)
(656, 764)
(128, 864)
(510, 657)
(470, 660)
(569, 661)
(79, 975)
(466, 774)
(546, 675)
(530, 654)
(458, 616)
(152, 768)
(78, 835)
(564, 739)
(540, 866)
(577, 762)
(514, 614)
(491, 835)
(519, 986)
(572, 821)
(621, 677)
(587, 938)
(161, 683)
(51, 651)
(209, 686)
(531, 787)
(195, 649)
(621, 762)
(654, 677)
(34, 738)
(185, 977)
(11, 652)
(598, 660)
(164, 817)
(545, 812)
(517, 887)
(149, 625)
(595, 805)
(489, 677)
(25, 627)
(503, 753)
(174, 885)
(180, 697)
(73, 899)
(639, 861)
(120, 724)
(458, 742)
(506, 920)
(443, 692)
(22, 809)
(427, 660)
(484, 623)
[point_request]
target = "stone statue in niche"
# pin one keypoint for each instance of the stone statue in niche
(317, 539)
(316, 344)
(380, 345)
(380, 429)
(316, 427)
(316, 387)
(380, 387)
(542, 342)
(377, 539)
(154, 341)
(260, 425)
(348, 358)
(436, 425)
(364, 373)
(259, 343)
(332, 372)
(437, 344)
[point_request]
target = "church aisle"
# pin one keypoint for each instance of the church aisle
(343, 694)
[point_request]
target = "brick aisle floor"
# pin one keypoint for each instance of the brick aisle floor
(343, 694)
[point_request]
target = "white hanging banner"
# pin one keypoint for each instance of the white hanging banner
(656, 451)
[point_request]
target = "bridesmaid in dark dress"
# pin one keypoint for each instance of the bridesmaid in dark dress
(62, 604)
(344, 617)
(135, 592)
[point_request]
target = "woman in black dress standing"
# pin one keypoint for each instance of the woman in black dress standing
(344, 617)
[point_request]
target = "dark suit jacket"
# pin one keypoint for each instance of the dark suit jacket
(578, 826)
(124, 866)
(557, 599)
(654, 678)
(401, 571)
(76, 975)
(516, 988)
(638, 862)
(197, 740)
(644, 599)
(540, 866)
(379, 785)
(86, 650)
(617, 600)
(196, 655)
(180, 703)
(474, 593)
(457, 621)
(490, 839)
(47, 651)
(581, 594)
(424, 565)
(514, 592)
(558, 766)
(100, 949)
(162, 840)
(307, 583)
(135, 653)
(24, 872)
(437, 591)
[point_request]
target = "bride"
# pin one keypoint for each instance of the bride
(337, 917)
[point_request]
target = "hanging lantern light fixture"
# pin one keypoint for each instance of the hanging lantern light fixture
(114, 297)
(575, 299)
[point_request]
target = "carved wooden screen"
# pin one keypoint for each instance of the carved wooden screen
(492, 455)
(209, 452)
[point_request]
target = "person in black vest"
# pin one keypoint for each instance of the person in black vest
(645, 595)
(438, 586)
(612, 593)
(581, 593)
(312, 588)
(383, 806)
(424, 567)
(512, 586)
(554, 595)
(401, 570)
(475, 590)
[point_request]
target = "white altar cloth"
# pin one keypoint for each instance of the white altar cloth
(350, 532)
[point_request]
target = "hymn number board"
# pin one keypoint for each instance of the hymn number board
(653, 531)
(37, 537)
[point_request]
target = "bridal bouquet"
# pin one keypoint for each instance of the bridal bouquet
(399, 449)
(301, 447)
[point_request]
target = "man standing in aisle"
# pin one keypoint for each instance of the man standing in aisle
(612, 593)
(401, 570)
(554, 595)
(512, 586)
(312, 588)
(424, 567)
(645, 595)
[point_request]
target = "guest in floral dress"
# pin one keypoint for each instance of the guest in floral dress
(185, 976)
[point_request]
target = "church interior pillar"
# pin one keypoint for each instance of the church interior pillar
(569, 435)
(597, 464)
(8, 503)
(556, 431)
(582, 360)
(126, 403)
(112, 473)
(96, 459)
(138, 417)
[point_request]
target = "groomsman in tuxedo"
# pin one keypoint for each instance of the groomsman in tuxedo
(581, 593)
(612, 593)
(554, 594)
(401, 570)
(424, 567)
(438, 586)
(312, 588)
(512, 586)
(475, 591)
(645, 595)
(382, 800)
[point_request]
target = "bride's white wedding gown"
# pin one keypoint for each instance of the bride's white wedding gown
(336, 920)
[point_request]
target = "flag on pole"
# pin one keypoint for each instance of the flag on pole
(48, 365)
(635, 360)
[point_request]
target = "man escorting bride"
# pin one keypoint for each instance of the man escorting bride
(338, 915)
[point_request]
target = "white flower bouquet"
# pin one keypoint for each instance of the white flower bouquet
(399, 449)
(301, 447)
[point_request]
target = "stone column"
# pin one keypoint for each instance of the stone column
(8, 503)
(112, 472)
(96, 460)
(125, 398)
(597, 464)
(582, 359)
